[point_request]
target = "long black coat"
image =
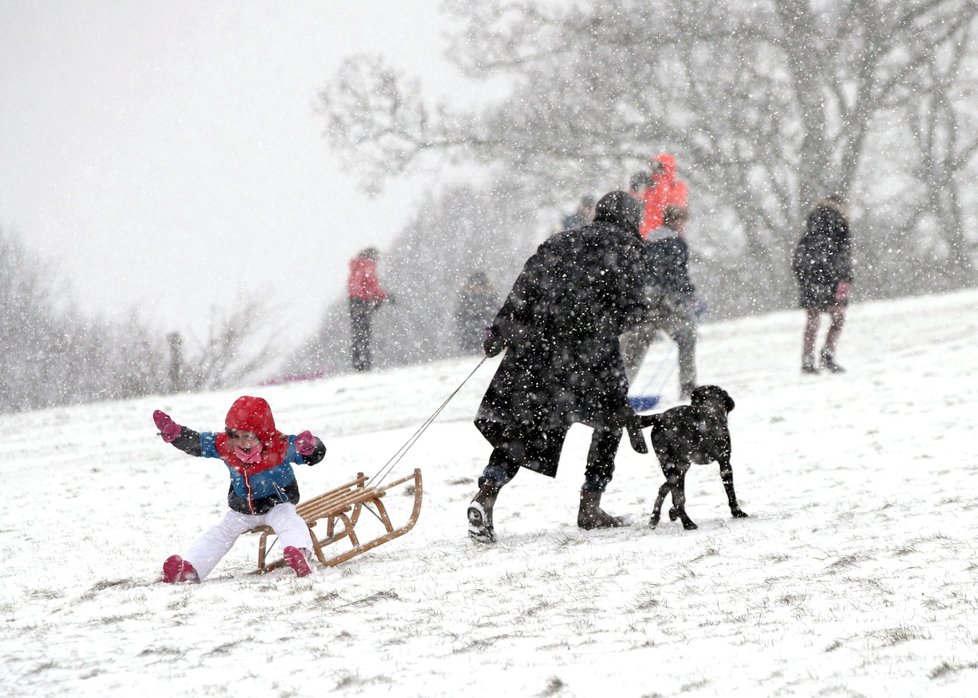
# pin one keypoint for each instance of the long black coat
(560, 323)
(823, 256)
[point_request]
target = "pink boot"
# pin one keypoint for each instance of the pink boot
(296, 559)
(176, 570)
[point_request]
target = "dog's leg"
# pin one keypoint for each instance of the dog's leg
(679, 500)
(657, 509)
(726, 477)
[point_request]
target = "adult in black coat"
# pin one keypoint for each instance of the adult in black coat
(560, 325)
(822, 263)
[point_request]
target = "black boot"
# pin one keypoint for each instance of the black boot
(480, 513)
(828, 362)
(590, 515)
(808, 363)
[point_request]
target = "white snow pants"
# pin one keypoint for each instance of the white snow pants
(207, 551)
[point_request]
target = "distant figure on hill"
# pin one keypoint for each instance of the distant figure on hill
(582, 215)
(366, 296)
(638, 183)
(822, 263)
(478, 302)
(673, 300)
(664, 190)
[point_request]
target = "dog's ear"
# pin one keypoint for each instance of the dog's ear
(728, 401)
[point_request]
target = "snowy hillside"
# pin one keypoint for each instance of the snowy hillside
(854, 576)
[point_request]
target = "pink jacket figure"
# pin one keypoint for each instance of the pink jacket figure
(362, 283)
(365, 296)
(665, 190)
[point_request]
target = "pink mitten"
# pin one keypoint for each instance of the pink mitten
(305, 443)
(842, 291)
(169, 429)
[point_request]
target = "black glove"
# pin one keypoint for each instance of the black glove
(492, 341)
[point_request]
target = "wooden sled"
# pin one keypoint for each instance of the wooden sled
(336, 513)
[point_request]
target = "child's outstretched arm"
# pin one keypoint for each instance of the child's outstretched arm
(187, 440)
(310, 447)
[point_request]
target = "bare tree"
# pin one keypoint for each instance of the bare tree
(770, 106)
(942, 122)
(238, 346)
(29, 323)
(50, 354)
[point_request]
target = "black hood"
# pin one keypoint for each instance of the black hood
(621, 209)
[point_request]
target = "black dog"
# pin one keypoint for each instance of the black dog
(695, 433)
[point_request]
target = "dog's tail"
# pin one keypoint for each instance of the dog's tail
(650, 420)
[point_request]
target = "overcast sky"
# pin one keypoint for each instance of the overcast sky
(168, 156)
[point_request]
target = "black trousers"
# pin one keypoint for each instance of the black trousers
(361, 315)
(540, 451)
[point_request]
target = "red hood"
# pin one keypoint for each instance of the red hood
(253, 414)
(669, 164)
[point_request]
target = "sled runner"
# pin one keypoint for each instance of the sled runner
(335, 515)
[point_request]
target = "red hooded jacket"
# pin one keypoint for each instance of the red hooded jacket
(666, 190)
(255, 487)
(362, 283)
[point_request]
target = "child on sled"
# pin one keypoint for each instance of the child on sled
(263, 488)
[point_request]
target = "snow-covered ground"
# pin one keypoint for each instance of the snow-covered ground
(854, 576)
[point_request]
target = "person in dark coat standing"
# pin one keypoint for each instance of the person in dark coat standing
(366, 296)
(582, 215)
(638, 183)
(822, 264)
(560, 325)
(673, 300)
(477, 303)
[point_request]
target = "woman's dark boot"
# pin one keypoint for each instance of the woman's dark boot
(808, 363)
(590, 515)
(828, 362)
(480, 513)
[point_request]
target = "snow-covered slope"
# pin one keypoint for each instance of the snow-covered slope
(855, 574)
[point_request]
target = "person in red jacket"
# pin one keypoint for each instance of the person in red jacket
(664, 190)
(366, 296)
